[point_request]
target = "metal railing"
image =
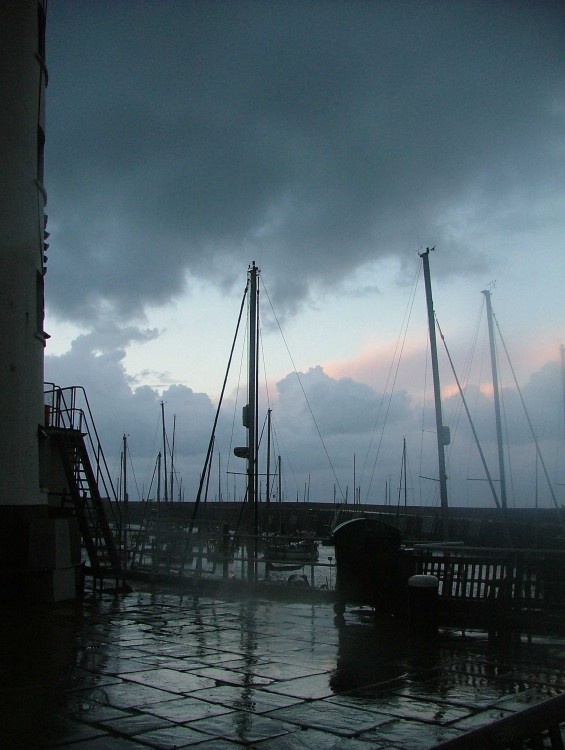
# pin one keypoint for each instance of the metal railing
(68, 408)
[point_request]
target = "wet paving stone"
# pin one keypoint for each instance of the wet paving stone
(307, 688)
(403, 734)
(342, 720)
(126, 695)
(524, 699)
(480, 719)
(243, 726)
(215, 744)
(472, 696)
(180, 665)
(231, 677)
(170, 679)
(313, 739)
(277, 670)
(154, 669)
(102, 664)
(135, 724)
(418, 710)
(171, 737)
(106, 742)
(91, 712)
(231, 661)
(248, 699)
(184, 710)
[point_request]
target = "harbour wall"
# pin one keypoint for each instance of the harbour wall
(525, 527)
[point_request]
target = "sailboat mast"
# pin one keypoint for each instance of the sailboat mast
(251, 418)
(219, 477)
(496, 394)
(125, 473)
(442, 439)
(562, 350)
(268, 468)
(125, 498)
(158, 479)
(404, 471)
(172, 493)
(164, 450)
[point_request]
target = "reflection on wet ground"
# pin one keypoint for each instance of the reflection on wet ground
(163, 670)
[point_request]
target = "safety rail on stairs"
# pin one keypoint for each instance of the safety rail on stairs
(69, 420)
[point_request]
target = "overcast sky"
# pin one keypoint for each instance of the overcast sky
(331, 142)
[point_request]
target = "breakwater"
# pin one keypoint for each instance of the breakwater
(526, 527)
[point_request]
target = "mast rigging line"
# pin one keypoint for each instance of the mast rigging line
(538, 452)
(467, 370)
(282, 450)
(507, 441)
(216, 417)
(235, 411)
(453, 415)
(403, 327)
(304, 394)
(464, 400)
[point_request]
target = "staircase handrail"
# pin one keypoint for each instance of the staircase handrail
(65, 413)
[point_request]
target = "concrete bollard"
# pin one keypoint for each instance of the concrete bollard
(423, 603)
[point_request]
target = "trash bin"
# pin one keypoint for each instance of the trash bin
(370, 567)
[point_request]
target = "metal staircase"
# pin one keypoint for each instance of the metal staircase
(75, 448)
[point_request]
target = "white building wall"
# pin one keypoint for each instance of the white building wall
(22, 202)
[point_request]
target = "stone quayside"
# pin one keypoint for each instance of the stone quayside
(166, 669)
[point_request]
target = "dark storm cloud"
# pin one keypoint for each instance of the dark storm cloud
(186, 138)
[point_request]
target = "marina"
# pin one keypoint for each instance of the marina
(171, 620)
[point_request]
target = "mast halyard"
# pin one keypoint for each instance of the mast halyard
(442, 432)
(496, 394)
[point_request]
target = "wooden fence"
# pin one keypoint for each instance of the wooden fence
(524, 579)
